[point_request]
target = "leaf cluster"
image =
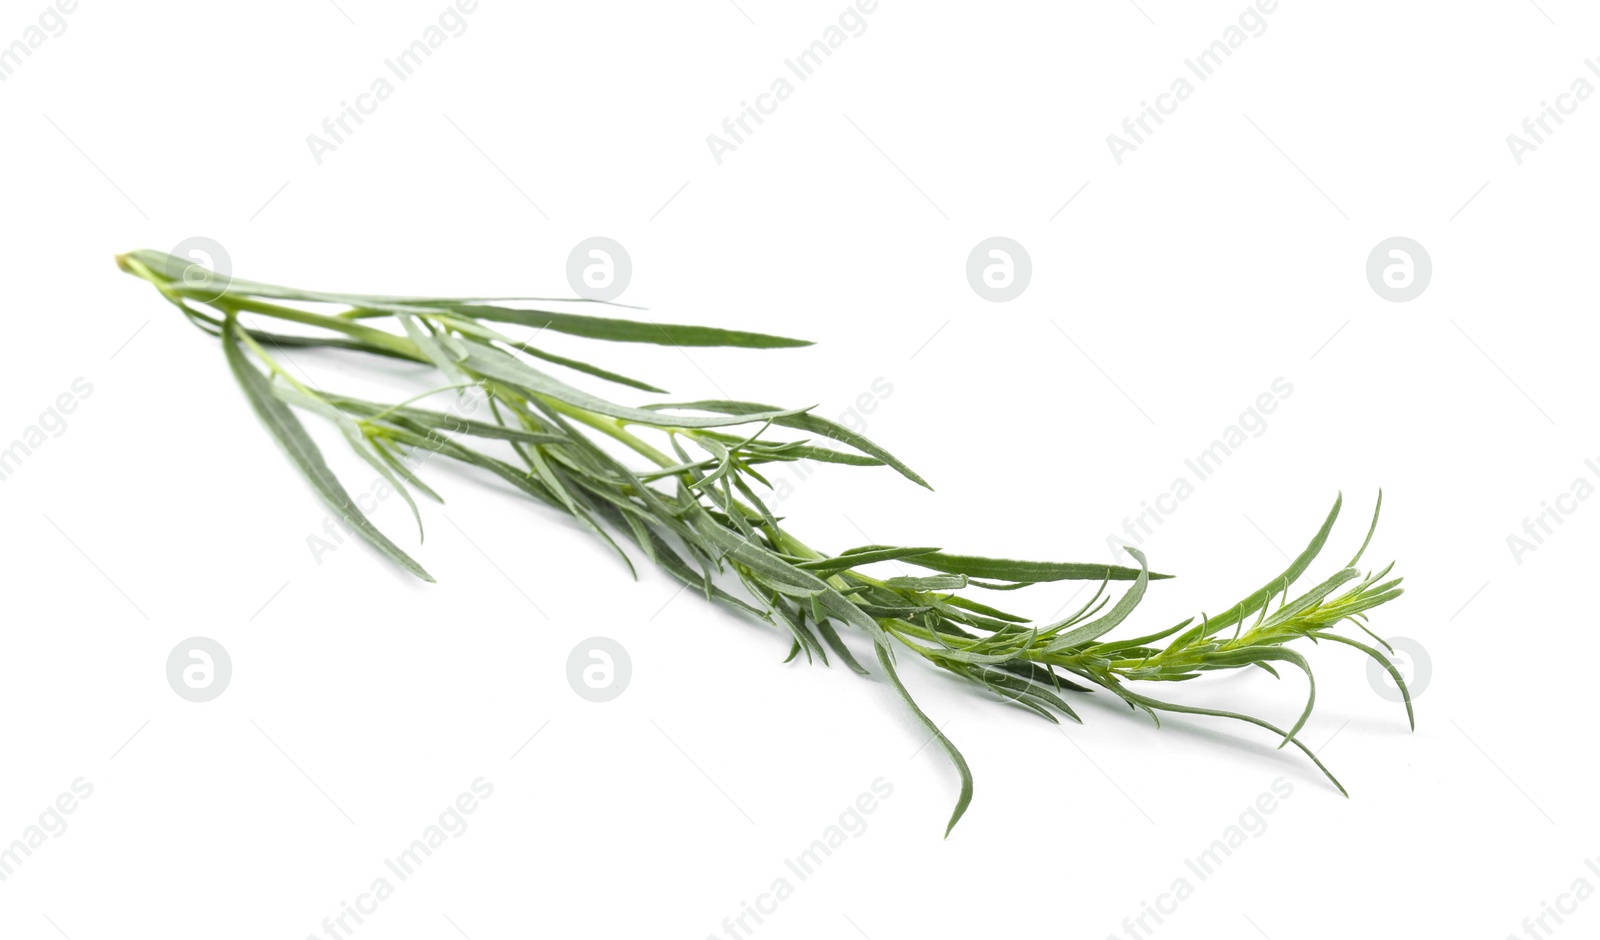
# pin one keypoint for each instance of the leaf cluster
(696, 510)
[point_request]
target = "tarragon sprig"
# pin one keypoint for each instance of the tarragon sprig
(696, 511)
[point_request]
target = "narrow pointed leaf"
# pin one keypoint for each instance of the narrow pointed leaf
(291, 435)
(965, 797)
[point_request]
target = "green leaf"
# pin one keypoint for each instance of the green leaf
(965, 798)
(172, 269)
(1382, 660)
(621, 331)
(433, 349)
(831, 637)
(502, 367)
(390, 456)
(584, 367)
(1260, 655)
(856, 557)
(443, 421)
(938, 582)
(806, 422)
(1376, 510)
(1002, 569)
(1124, 606)
(291, 435)
(1256, 601)
(1249, 719)
(795, 625)
(1002, 620)
(353, 436)
(1019, 688)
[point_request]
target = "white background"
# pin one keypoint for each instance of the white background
(1227, 251)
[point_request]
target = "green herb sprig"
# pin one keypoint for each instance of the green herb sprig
(696, 512)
